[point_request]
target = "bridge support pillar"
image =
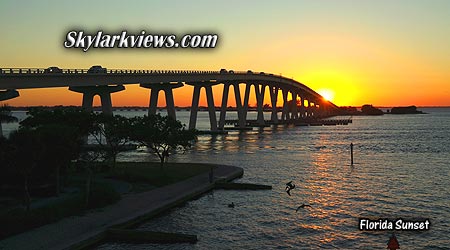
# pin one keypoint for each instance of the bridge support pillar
(323, 107)
(318, 111)
(305, 108)
(273, 99)
(285, 111)
(259, 92)
(294, 111)
(210, 101)
(168, 91)
(302, 107)
(246, 99)
(223, 109)
(211, 108)
(310, 108)
(8, 94)
(103, 91)
(240, 109)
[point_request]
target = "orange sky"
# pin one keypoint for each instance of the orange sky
(383, 53)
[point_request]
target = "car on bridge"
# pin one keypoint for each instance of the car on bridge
(223, 71)
(96, 69)
(53, 70)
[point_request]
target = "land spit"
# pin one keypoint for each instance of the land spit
(78, 232)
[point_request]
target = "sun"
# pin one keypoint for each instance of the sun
(328, 94)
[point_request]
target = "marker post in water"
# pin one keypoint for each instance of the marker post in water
(351, 154)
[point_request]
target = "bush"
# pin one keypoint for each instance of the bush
(102, 195)
(19, 220)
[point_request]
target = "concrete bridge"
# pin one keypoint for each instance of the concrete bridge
(103, 82)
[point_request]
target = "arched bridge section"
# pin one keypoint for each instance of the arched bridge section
(304, 102)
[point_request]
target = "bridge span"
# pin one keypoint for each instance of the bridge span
(308, 104)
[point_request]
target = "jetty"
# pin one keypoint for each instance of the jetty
(137, 236)
(241, 186)
(250, 124)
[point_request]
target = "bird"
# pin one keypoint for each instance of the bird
(289, 187)
(302, 206)
(231, 205)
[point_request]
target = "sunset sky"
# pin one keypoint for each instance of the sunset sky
(385, 53)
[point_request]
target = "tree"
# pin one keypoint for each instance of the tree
(88, 158)
(6, 117)
(370, 110)
(112, 134)
(62, 131)
(21, 153)
(76, 117)
(161, 134)
(60, 145)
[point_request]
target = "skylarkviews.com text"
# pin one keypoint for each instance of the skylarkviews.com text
(79, 39)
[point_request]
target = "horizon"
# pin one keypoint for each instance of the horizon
(216, 106)
(350, 52)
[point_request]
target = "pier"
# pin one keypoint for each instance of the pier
(249, 124)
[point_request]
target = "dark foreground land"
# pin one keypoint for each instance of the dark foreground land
(146, 190)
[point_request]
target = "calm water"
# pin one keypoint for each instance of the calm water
(401, 170)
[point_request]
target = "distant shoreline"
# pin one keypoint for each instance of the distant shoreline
(205, 108)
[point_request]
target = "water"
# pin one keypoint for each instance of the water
(401, 171)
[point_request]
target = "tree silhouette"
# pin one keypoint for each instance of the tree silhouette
(21, 152)
(63, 130)
(6, 117)
(76, 117)
(60, 145)
(112, 134)
(161, 134)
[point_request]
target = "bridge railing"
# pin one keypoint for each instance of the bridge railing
(27, 71)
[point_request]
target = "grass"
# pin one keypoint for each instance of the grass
(142, 176)
(19, 220)
(145, 175)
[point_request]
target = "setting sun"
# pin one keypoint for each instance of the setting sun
(327, 94)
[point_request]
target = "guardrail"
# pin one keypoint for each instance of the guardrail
(27, 71)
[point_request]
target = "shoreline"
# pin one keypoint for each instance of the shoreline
(79, 232)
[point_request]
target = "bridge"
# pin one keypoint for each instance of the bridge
(308, 104)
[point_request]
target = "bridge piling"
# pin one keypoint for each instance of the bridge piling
(285, 111)
(273, 98)
(259, 91)
(210, 102)
(194, 108)
(153, 103)
(168, 91)
(240, 110)
(294, 114)
(103, 91)
(246, 99)
(310, 109)
(223, 108)
(8, 94)
(211, 108)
